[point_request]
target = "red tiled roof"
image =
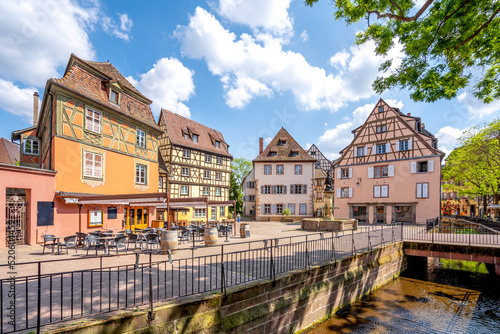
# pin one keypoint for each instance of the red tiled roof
(178, 125)
(80, 80)
(284, 152)
(9, 152)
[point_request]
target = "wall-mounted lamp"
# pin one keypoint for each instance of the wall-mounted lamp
(359, 182)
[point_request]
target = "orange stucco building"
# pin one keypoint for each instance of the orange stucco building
(98, 136)
(391, 170)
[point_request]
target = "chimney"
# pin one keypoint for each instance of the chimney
(261, 145)
(409, 114)
(35, 108)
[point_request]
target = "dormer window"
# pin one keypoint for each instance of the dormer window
(294, 154)
(195, 138)
(31, 146)
(417, 126)
(272, 154)
(114, 96)
(186, 136)
(281, 142)
(217, 144)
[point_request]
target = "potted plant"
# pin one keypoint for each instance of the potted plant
(285, 216)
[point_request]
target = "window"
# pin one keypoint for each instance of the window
(298, 189)
(251, 198)
(185, 171)
(113, 96)
(267, 169)
(313, 154)
(93, 121)
(422, 190)
(93, 165)
(219, 161)
(206, 174)
(281, 142)
(272, 154)
(112, 212)
(267, 209)
(141, 138)
(417, 126)
(186, 136)
(267, 189)
(140, 174)
(298, 169)
(199, 213)
(403, 145)
(279, 209)
(250, 184)
(381, 191)
(206, 191)
(31, 146)
(279, 169)
(217, 144)
(434, 143)
(381, 128)
(422, 167)
(360, 151)
(291, 207)
(160, 182)
(344, 192)
(380, 148)
(217, 192)
(302, 209)
(218, 176)
(184, 190)
(380, 109)
(344, 173)
(294, 154)
(195, 138)
(279, 189)
(186, 154)
(381, 171)
(208, 158)
(222, 212)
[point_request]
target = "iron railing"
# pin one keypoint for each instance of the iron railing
(32, 301)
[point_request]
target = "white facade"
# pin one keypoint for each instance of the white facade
(248, 188)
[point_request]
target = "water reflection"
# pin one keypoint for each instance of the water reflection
(424, 300)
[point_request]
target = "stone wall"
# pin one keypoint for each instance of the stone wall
(293, 303)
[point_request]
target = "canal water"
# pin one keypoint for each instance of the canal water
(427, 298)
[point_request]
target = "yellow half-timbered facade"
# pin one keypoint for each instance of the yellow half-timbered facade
(194, 162)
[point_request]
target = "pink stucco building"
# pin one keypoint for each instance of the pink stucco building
(391, 170)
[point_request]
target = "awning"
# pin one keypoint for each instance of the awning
(103, 202)
(196, 205)
(494, 206)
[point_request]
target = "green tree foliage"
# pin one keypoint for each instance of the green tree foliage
(447, 44)
(474, 167)
(240, 167)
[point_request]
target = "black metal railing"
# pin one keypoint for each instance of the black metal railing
(32, 301)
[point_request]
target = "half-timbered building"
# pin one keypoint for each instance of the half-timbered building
(248, 190)
(284, 175)
(322, 162)
(194, 162)
(98, 133)
(391, 170)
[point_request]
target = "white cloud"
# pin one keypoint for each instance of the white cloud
(168, 84)
(448, 136)
(476, 108)
(121, 31)
(261, 60)
(18, 101)
(267, 140)
(334, 140)
(304, 36)
(36, 38)
(340, 59)
(271, 15)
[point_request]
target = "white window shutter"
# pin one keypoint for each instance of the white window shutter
(430, 166)
(390, 170)
(338, 192)
(273, 189)
(374, 149)
(284, 190)
(413, 167)
(273, 209)
(339, 173)
(292, 189)
(385, 191)
(355, 152)
(410, 144)
(425, 190)
(262, 209)
(397, 146)
(304, 188)
(419, 190)
(261, 189)
(350, 172)
(350, 192)
(370, 172)
(387, 147)
(376, 191)
(365, 150)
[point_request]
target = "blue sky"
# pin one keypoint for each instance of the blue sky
(245, 68)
